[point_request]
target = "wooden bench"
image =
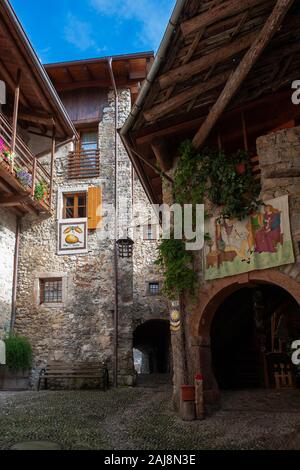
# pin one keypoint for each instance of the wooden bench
(76, 370)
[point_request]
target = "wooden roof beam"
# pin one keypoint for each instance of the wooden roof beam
(182, 98)
(36, 118)
(186, 71)
(229, 8)
(11, 83)
(162, 154)
(12, 201)
(234, 82)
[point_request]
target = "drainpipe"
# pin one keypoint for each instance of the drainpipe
(116, 306)
(15, 275)
(158, 61)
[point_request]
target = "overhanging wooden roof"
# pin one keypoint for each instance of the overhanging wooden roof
(39, 102)
(129, 71)
(222, 56)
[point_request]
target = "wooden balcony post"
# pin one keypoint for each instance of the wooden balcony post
(15, 115)
(33, 176)
(52, 168)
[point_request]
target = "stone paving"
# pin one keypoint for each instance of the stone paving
(142, 418)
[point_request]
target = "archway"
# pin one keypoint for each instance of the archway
(251, 333)
(151, 348)
(211, 297)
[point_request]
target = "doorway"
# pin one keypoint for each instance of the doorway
(251, 334)
(152, 349)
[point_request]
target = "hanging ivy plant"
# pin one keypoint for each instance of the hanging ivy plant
(226, 181)
(177, 265)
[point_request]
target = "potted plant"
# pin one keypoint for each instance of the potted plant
(41, 191)
(6, 155)
(241, 158)
(15, 374)
(24, 177)
(188, 392)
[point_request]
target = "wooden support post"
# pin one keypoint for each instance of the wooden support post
(234, 82)
(52, 168)
(15, 115)
(245, 136)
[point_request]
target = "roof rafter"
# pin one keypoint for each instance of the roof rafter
(184, 72)
(182, 98)
(230, 8)
(234, 82)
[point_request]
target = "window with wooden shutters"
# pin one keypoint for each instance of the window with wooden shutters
(74, 206)
(94, 207)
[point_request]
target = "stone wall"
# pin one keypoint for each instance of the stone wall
(82, 326)
(279, 157)
(280, 175)
(146, 306)
(7, 250)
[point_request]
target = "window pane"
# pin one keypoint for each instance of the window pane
(70, 201)
(51, 291)
(81, 212)
(154, 288)
(69, 213)
(89, 140)
(81, 200)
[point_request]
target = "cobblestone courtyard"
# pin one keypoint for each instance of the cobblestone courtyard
(142, 418)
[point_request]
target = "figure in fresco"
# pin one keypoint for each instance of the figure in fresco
(267, 238)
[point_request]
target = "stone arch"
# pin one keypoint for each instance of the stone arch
(211, 296)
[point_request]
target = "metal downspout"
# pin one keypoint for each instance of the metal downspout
(158, 61)
(15, 275)
(116, 306)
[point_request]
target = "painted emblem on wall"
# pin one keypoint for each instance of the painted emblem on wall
(175, 317)
(72, 236)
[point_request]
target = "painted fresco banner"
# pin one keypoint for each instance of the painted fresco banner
(259, 242)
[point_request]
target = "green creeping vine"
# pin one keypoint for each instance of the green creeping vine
(226, 181)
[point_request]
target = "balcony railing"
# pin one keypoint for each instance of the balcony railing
(24, 168)
(84, 164)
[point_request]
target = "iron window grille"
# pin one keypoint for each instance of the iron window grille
(154, 288)
(50, 291)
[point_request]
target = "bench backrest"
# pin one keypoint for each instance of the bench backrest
(75, 367)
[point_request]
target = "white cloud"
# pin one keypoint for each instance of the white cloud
(79, 33)
(152, 14)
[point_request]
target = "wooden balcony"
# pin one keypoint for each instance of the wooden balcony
(24, 183)
(84, 164)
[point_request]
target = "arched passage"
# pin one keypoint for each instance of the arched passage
(251, 333)
(211, 299)
(151, 344)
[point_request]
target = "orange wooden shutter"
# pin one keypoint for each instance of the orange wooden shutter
(94, 207)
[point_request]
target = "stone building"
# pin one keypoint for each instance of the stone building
(67, 288)
(29, 107)
(224, 79)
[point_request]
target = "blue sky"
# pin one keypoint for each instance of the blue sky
(62, 30)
